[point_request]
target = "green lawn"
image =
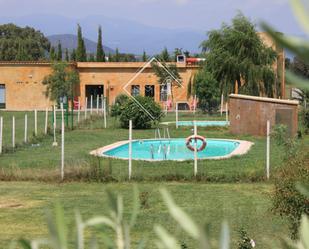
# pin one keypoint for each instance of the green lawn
(245, 206)
(45, 159)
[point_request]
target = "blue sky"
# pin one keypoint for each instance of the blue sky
(191, 14)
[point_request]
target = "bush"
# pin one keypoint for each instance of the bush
(140, 114)
(245, 241)
(305, 120)
(119, 104)
(287, 201)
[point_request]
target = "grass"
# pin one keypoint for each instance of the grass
(45, 159)
(242, 205)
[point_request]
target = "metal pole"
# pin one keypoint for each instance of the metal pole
(78, 111)
(195, 149)
(26, 129)
(130, 149)
(221, 108)
(13, 132)
(1, 133)
(62, 142)
(268, 150)
(104, 113)
(176, 115)
(46, 121)
(35, 122)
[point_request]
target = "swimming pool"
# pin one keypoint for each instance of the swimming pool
(173, 149)
(200, 123)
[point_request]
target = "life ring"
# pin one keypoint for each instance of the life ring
(197, 137)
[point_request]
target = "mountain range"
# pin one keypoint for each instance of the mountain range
(129, 36)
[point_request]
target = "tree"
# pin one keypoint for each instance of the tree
(18, 43)
(100, 52)
(91, 58)
(52, 53)
(207, 90)
(164, 56)
(238, 59)
(177, 51)
(81, 50)
(116, 56)
(60, 83)
(73, 55)
(145, 57)
(67, 58)
(59, 52)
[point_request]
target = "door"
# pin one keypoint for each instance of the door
(96, 91)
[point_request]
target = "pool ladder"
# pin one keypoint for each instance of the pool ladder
(166, 135)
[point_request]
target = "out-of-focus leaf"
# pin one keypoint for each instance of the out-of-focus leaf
(286, 244)
(303, 189)
(25, 243)
(57, 228)
(204, 242)
(136, 206)
(166, 239)
(304, 232)
(296, 80)
(301, 14)
(180, 216)
(225, 236)
(80, 230)
(296, 45)
(100, 220)
(94, 243)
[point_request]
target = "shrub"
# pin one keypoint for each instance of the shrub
(140, 113)
(245, 241)
(287, 201)
(305, 120)
(118, 105)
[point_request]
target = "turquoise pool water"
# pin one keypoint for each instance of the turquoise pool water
(174, 149)
(203, 123)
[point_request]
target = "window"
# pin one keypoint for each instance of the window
(163, 92)
(2, 96)
(150, 91)
(135, 90)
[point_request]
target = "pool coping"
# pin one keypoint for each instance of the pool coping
(242, 149)
(204, 121)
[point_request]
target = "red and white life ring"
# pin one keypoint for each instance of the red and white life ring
(197, 137)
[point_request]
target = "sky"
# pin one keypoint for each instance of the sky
(174, 14)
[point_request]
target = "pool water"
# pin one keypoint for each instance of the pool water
(203, 123)
(173, 149)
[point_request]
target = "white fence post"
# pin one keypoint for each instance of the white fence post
(35, 122)
(130, 149)
(194, 102)
(226, 113)
(91, 104)
(26, 129)
(46, 121)
(1, 133)
(55, 126)
(98, 104)
(221, 107)
(13, 132)
(62, 142)
(86, 100)
(176, 115)
(102, 103)
(195, 149)
(268, 149)
(104, 112)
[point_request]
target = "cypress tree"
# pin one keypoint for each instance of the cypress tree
(110, 57)
(91, 58)
(67, 58)
(52, 54)
(73, 55)
(145, 57)
(59, 52)
(100, 51)
(117, 56)
(81, 50)
(165, 55)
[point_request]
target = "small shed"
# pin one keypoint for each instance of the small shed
(249, 114)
